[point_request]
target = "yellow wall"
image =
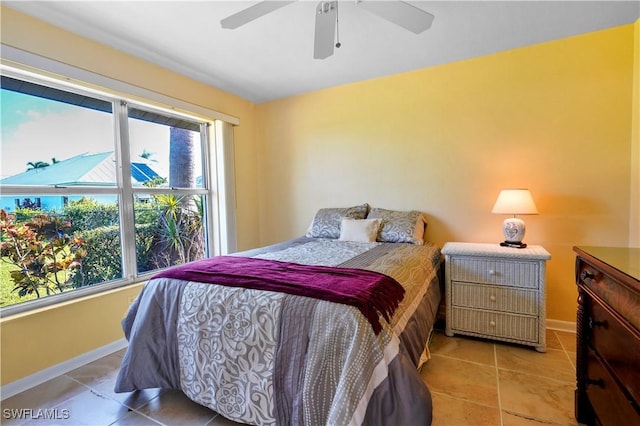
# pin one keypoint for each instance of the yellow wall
(443, 140)
(554, 117)
(32, 342)
(634, 196)
(37, 340)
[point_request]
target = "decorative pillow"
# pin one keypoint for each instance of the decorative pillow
(361, 230)
(326, 223)
(400, 227)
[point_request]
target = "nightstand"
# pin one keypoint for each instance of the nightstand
(496, 292)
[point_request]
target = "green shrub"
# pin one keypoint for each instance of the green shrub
(26, 214)
(146, 213)
(46, 256)
(146, 237)
(87, 213)
(168, 231)
(103, 261)
(9, 297)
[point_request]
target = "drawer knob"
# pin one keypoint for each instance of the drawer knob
(587, 275)
(492, 298)
(593, 323)
(492, 323)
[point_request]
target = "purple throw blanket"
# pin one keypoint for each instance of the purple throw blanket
(371, 292)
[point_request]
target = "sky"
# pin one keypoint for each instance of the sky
(36, 129)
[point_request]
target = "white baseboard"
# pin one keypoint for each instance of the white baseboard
(21, 385)
(568, 326)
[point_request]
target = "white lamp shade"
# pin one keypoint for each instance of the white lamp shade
(514, 201)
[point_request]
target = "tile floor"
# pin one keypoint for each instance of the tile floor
(478, 382)
(473, 382)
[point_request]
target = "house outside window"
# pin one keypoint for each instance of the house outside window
(95, 192)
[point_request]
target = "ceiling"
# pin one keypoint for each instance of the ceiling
(272, 57)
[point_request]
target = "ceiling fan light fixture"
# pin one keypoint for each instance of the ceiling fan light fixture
(326, 35)
(327, 6)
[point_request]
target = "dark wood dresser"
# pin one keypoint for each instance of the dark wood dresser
(608, 336)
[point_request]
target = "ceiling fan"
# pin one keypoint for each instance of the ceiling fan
(399, 12)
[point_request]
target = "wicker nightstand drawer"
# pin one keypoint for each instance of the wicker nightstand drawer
(494, 298)
(502, 272)
(486, 323)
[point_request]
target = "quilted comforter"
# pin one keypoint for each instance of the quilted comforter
(264, 357)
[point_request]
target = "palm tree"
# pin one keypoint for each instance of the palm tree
(147, 155)
(181, 233)
(37, 165)
(182, 149)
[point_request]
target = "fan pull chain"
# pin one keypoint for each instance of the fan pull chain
(338, 44)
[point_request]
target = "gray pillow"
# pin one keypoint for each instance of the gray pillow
(326, 223)
(400, 227)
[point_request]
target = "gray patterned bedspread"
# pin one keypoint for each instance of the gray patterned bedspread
(268, 358)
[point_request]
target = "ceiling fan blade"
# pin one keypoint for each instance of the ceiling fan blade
(325, 33)
(400, 13)
(251, 13)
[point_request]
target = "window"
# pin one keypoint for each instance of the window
(95, 192)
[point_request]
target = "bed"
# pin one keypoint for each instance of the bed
(270, 336)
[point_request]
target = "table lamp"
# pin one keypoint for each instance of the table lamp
(513, 202)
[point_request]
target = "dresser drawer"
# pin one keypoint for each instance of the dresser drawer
(617, 346)
(610, 404)
(620, 297)
(498, 271)
(494, 298)
(496, 324)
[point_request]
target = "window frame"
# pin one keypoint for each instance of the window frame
(124, 189)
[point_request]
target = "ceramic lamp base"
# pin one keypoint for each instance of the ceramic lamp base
(513, 229)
